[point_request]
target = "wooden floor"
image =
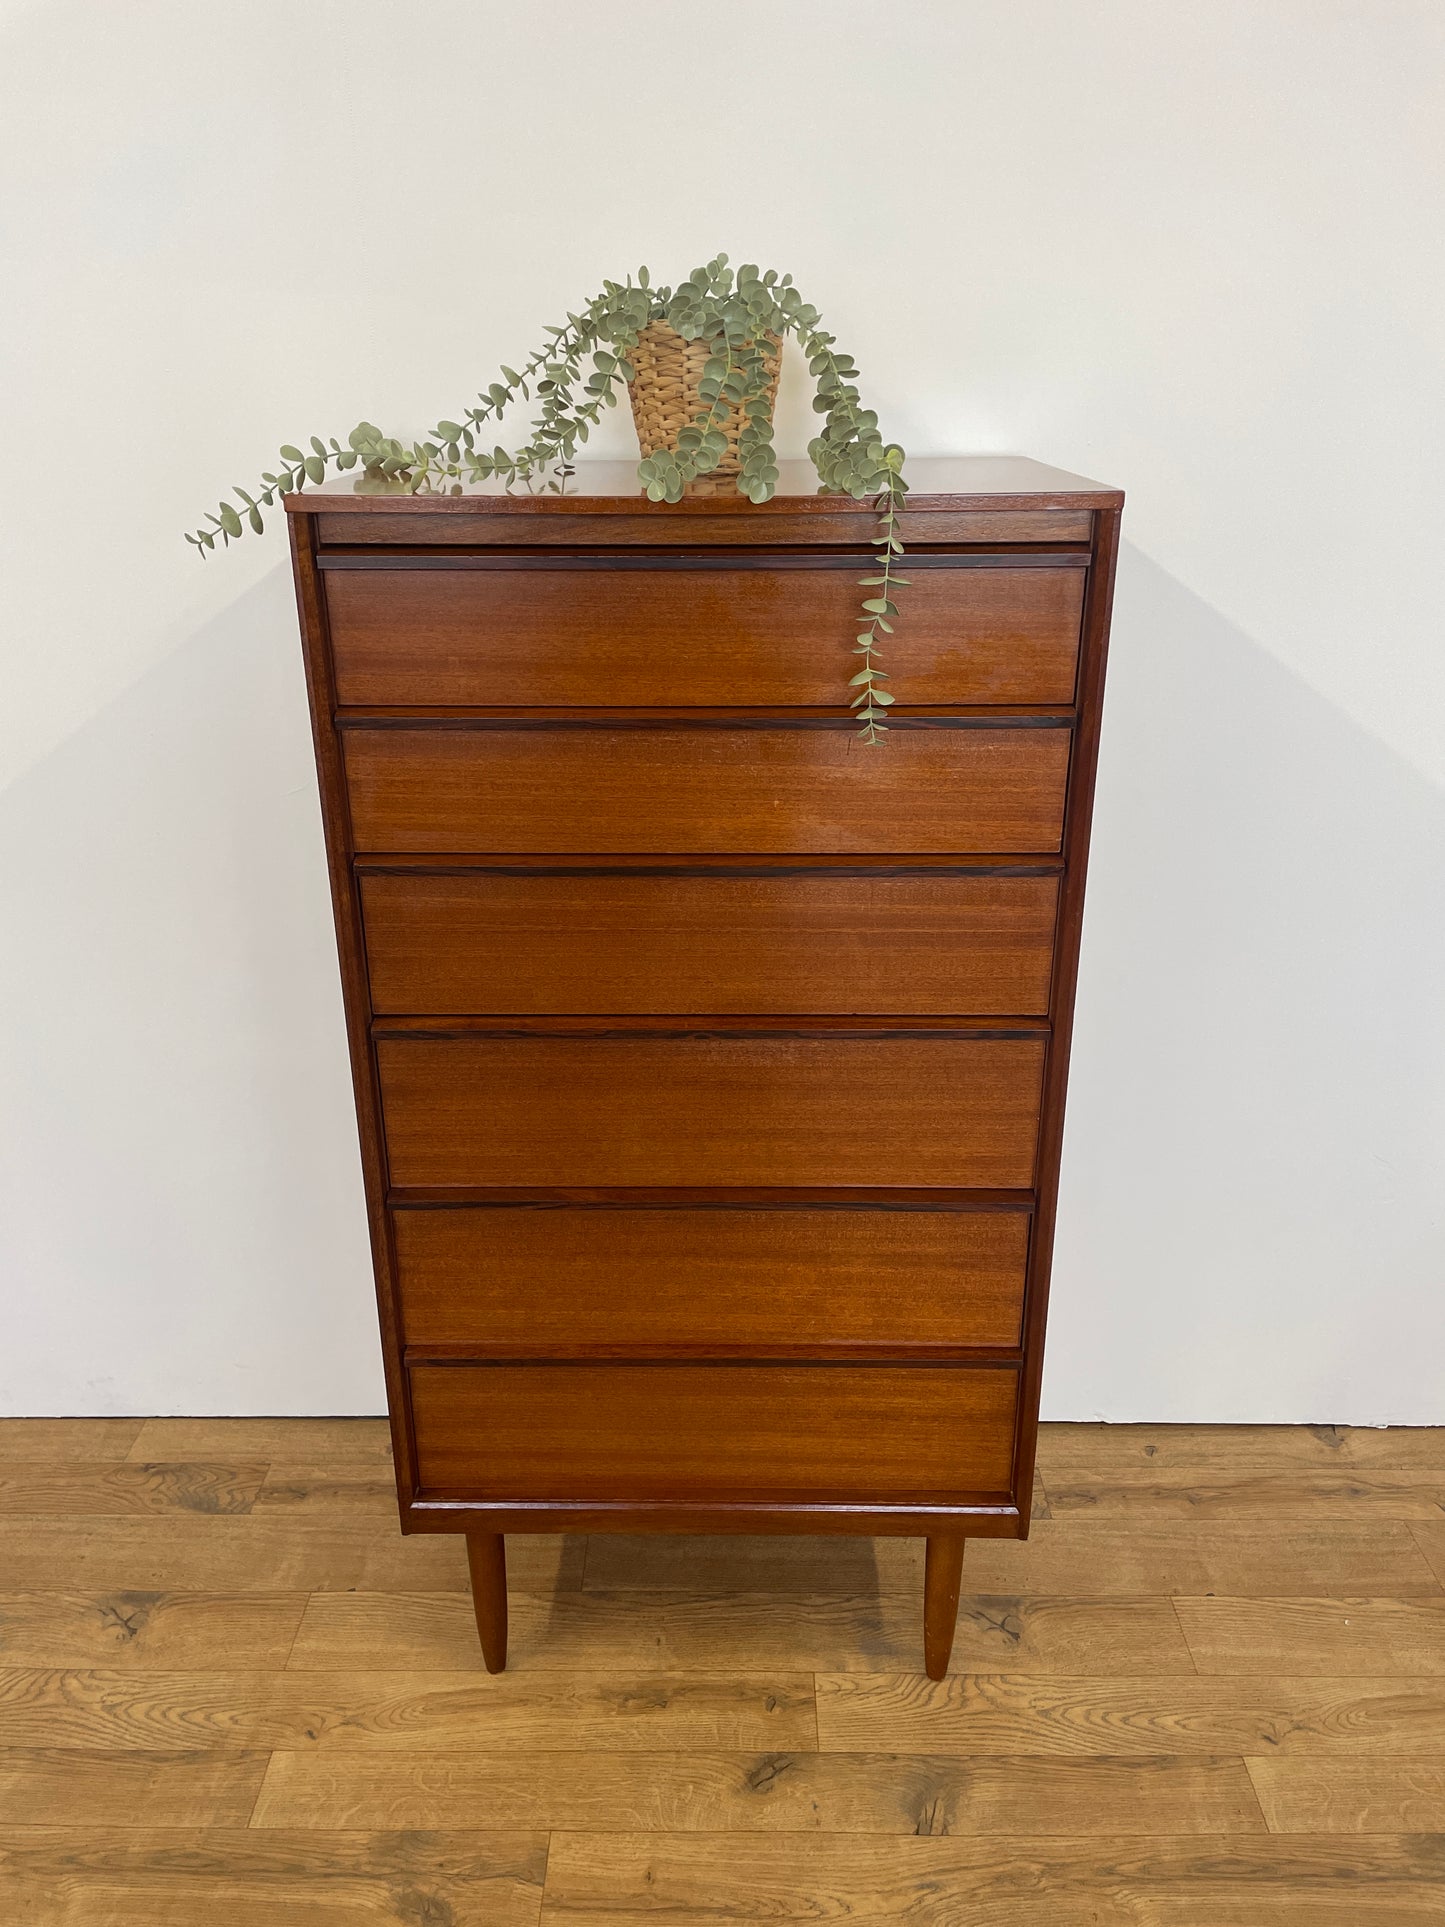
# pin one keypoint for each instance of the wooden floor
(1210, 1692)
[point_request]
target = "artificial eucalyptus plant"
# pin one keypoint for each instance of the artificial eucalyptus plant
(734, 314)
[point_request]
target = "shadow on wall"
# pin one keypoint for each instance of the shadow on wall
(1250, 1214)
(1250, 1220)
(182, 1223)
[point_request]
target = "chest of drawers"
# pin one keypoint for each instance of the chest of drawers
(709, 1062)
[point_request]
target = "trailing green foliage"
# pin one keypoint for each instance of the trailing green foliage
(574, 376)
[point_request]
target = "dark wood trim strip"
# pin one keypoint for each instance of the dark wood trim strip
(351, 948)
(1078, 817)
(857, 1029)
(703, 865)
(822, 1352)
(1008, 1361)
(1035, 556)
(352, 718)
(721, 1197)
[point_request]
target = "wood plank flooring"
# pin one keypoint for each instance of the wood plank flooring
(1209, 1692)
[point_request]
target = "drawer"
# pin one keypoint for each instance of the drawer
(568, 1110)
(886, 1433)
(759, 944)
(627, 637)
(786, 1278)
(928, 787)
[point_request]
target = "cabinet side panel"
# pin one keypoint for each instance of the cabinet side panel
(1078, 816)
(336, 822)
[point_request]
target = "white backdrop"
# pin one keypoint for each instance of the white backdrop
(1190, 252)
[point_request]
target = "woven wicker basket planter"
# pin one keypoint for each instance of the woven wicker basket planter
(664, 391)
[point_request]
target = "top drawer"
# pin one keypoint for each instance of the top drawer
(523, 633)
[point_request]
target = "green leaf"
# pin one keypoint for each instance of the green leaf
(318, 445)
(254, 517)
(291, 453)
(876, 605)
(230, 521)
(315, 468)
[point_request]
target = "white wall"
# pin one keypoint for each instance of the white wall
(1190, 251)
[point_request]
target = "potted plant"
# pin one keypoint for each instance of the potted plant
(701, 364)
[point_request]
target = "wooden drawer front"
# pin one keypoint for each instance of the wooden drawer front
(891, 1433)
(631, 637)
(795, 1279)
(715, 789)
(653, 944)
(648, 1110)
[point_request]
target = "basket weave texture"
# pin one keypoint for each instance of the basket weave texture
(664, 390)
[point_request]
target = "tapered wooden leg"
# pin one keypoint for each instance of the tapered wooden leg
(942, 1576)
(487, 1557)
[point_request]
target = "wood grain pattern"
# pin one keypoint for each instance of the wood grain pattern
(726, 1630)
(337, 1443)
(1223, 1452)
(1351, 1796)
(289, 1489)
(1102, 1880)
(905, 1110)
(1369, 1637)
(61, 1786)
(658, 636)
(889, 1434)
(546, 1282)
(175, 1877)
(93, 1439)
(796, 944)
(187, 1552)
(266, 1754)
(1201, 1556)
(161, 1712)
(1181, 1492)
(126, 1486)
(829, 1567)
(1431, 1541)
(1002, 1713)
(673, 790)
(748, 1793)
(142, 1629)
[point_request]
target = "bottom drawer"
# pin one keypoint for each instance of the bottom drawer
(887, 1434)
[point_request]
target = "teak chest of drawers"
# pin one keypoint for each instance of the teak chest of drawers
(709, 1062)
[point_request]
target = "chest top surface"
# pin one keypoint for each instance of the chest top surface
(936, 484)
